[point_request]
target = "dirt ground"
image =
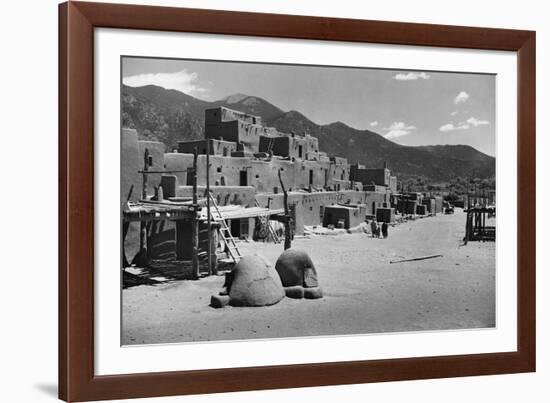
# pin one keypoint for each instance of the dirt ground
(363, 292)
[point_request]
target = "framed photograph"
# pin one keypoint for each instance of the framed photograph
(257, 201)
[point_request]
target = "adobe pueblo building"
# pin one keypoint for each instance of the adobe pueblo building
(245, 166)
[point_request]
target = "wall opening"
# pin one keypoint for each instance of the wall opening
(311, 177)
(243, 178)
(300, 150)
(235, 228)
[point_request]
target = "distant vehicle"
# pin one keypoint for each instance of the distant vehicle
(449, 209)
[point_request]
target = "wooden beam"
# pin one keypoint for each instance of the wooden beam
(195, 221)
(208, 215)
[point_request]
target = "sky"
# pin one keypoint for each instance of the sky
(407, 107)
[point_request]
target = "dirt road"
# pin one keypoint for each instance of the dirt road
(364, 293)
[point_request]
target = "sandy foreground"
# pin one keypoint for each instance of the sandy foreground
(363, 292)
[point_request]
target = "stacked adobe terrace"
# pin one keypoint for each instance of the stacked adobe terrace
(245, 160)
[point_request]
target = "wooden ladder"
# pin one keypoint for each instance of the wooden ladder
(270, 144)
(225, 232)
(264, 219)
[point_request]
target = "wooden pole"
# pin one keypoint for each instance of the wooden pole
(210, 270)
(143, 227)
(288, 235)
(194, 222)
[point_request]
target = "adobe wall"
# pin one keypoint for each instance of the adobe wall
(228, 131)
(217, 147)
(339, 173)
(178, 162)
(323, 157)
(284, 146)
(352, 216)
(129, 154)
(156, 155)
(438, 204)
(373, 200)
(247, 136)
(223, 170)
(375, 188)
(224, 195)
(368, 176)
(393, 184)
(306, 205)
(320, 174)
(265, 175)
(352, 197)
(312, 147)
(339, 160)
(221, 114)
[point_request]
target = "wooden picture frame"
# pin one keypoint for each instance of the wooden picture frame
(77, 21)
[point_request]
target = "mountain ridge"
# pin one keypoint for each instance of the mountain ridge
(171, 116)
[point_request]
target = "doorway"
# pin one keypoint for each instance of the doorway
(243, 178)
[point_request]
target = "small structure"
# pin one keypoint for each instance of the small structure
(430, 205)
(406, 206)
(476, 224)
(385, 214)
(298, 274)
(421, 209)
(344, 216)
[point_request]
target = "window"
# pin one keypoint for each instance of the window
(219, 169)
(243, 178)
(150, 161)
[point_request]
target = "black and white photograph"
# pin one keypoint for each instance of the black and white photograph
(263, 200)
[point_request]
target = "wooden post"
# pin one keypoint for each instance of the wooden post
(209, 223)
(143, 226)
(194, 222)
(288, 235)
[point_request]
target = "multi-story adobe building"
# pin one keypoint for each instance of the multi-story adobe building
(245, 161)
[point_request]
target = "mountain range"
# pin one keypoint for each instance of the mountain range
(170, 116)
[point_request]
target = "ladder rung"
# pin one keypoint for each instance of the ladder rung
(225, 232)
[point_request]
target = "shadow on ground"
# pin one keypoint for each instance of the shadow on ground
(49, 389)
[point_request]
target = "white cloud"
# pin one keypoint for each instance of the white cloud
(398, 129)
(184, 81)
(461, 97)
(471, 122)
(411, 76)
(450, 127)
(477, 122)
(454, 113)
(374, 124)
